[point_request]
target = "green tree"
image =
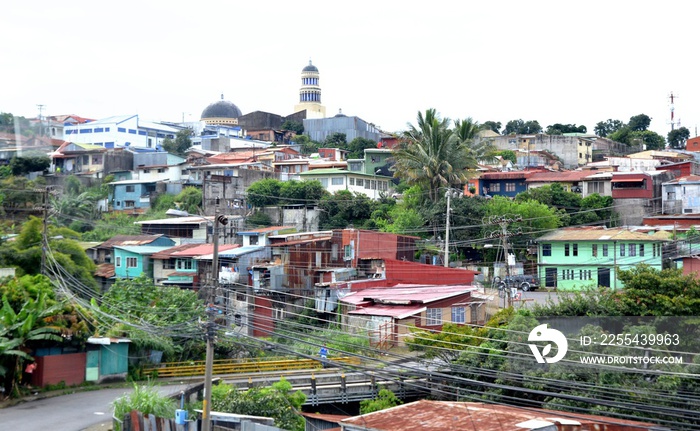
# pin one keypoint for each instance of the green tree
(181, 143)
(560, 129)
(343, 209)
(520, 127)
(535, 218)
(494, 126)
(639, 123)
(508, 155)
(385, 399)
(432, 156)
(295, 126)
(336, 140)
(677, 137)
(152, 317)
(608, 127)
(265, 192)
(650, 140)
(26, 165)
(301, 192)
(356, 147)
(306, 144)
(189, 200)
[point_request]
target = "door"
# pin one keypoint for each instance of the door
(550, 277)
(604, 277)
(92, 365)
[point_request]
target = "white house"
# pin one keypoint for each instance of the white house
(335, 180)
(120, 131)
(682, 195)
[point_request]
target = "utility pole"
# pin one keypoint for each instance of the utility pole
(44, 238)
(447, 227)
(211, 324)
(503, 222)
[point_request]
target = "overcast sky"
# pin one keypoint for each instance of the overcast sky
(383, 61)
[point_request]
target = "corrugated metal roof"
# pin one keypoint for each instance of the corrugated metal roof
(395, 311)
(232, 253)
(597, 234)
(129, 240)
(446, 415)
(142, 249)
(406, 295)
(559, 177)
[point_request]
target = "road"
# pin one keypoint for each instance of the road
(73, 412)
(539, 297)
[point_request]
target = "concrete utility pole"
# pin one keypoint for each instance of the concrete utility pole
(503, 233)
(448, 194)
(211, 325)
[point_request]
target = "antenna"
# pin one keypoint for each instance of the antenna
(673, 123)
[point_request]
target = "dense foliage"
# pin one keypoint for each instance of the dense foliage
(276, 401)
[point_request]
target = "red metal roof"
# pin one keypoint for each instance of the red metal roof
(191, 250)
(406, 295)
(395, 311)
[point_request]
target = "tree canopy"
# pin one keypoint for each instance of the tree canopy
(520, 127)
(677, 137)
(179, 145)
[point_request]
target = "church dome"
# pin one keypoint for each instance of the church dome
(221, 109)
(310, 68)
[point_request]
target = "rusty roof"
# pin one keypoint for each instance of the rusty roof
(445, 415)
(105, 270)
(597, 233)
(558, 177)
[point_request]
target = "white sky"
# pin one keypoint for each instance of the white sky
(383, 61)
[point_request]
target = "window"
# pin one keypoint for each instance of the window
(605, 250)
(594, 250)
(510, 187)
(347, 252)
(566, 249)
(641, 250)
(118, 262)
(458, 315)
(337, 181)
(433, 316)
(169, 264)
(253, 240)
(324, 182)
(351, 181)
(575, 249)
(130, 189)
(184, 264)
(495, 187)
(633, 250)
(622, 250)
(129, 204)
(360, 182)
(131, 262)
(546, 249)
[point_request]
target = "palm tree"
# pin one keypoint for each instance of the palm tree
(432, 155)
(467, 131)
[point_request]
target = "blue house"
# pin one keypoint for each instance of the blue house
(133, 195)
(132, 261)
(507, 184)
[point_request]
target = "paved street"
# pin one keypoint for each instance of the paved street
(74, 412)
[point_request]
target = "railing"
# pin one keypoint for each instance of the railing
(238, 366)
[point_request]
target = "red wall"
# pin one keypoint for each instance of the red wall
(635, 193)
(691, 266)
(55, 369)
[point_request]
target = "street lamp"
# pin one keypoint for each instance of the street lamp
(210, 328)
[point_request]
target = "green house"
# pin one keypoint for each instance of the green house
(573, 258)
(133, 260)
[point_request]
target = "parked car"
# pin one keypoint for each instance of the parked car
(524, 282)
